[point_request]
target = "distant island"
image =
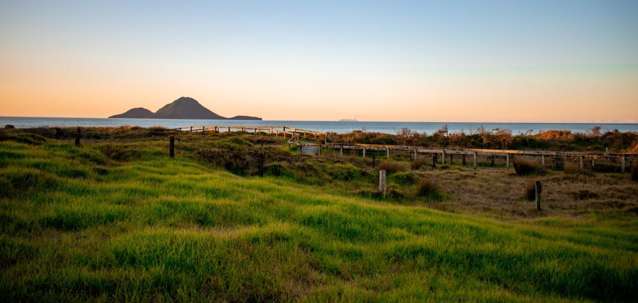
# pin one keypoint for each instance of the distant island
(182, 108)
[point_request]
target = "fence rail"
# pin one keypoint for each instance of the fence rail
(296, 134)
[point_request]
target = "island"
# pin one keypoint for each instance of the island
(182, 108)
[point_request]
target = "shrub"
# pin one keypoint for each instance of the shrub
(277, 169)
(421, 163)
(392, 167)
(427, 188)
(344, 172)
(526, 167)
(405, 178)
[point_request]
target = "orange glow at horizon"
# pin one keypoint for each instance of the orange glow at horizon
(504, 99)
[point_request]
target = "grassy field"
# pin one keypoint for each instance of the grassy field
(119, 220)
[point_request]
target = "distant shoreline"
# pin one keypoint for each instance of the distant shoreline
(328, 121)
(324, 126)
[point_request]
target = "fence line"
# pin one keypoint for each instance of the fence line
(296, 134)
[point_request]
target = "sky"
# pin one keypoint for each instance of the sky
(506, 61)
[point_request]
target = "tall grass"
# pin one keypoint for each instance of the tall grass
(150, 228)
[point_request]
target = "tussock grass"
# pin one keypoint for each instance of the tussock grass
(157, 229)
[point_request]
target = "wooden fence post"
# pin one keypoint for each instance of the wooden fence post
(434, 160)
(507, 160)
(382, 183)
(542, 160)
(538, 188)
(443, 157)
(191, 129)
(464, 162)
(203, 130)
(171, 146)
(77, 136)
(580, 162)
(387, 152)
(475, 162)
(364, 152)
(622, 163)
(341, 150)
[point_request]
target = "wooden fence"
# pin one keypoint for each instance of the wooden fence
(441, 155)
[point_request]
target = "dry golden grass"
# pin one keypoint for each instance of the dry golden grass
(499, 192)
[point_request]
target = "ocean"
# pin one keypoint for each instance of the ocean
(324, 126)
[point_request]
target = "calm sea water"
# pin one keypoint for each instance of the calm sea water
(332, 126)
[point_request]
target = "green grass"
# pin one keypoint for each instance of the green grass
(100, 223)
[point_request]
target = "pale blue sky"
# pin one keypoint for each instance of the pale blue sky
(372, 60)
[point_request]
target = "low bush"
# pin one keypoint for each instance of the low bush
(405, 178)
(277, 169)
(343, 172)
(427, 188)
(242, 158)
(526, 167)
(392, 167)
(420, 163)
